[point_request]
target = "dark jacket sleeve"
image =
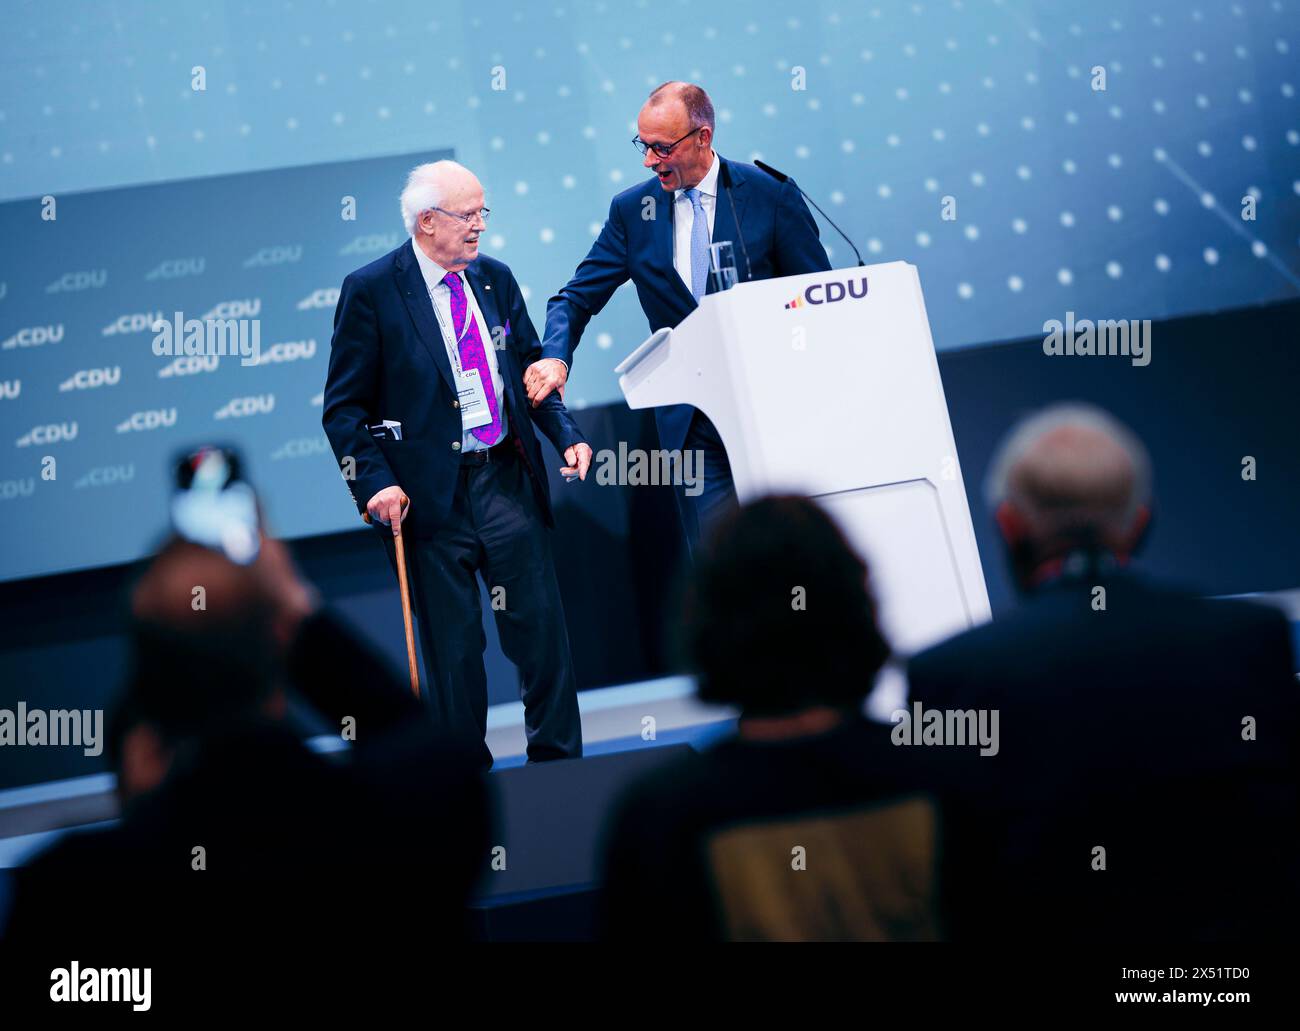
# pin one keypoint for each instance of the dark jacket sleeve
(551, 417)
(352, 387)
(602, 271)
(798, 248)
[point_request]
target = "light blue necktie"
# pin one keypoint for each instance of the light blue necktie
(699, 245)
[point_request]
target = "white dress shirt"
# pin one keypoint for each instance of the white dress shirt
(440, 295)
(684, 218)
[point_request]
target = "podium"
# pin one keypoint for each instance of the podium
(826, 385)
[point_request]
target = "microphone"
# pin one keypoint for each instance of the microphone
(781, 177)
(726, 185)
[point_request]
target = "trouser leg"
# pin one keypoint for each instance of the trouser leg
(714, 495)
(520, 574)
(445, 604)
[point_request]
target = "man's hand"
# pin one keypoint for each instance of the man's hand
(579, 458)
(544, 376)
(388, 505)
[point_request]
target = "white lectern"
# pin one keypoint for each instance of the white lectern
(827, 385)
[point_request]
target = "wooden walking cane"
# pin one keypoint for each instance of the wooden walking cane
(406, 598)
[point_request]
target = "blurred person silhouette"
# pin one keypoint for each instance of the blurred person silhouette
(807, 823)
(1145, 785)
(229, 820)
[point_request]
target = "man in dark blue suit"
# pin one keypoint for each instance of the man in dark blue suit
(434, 336)
(657, 235)
(1145, 781)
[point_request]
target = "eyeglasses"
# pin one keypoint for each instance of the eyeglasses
(662, 149)
(482, 213)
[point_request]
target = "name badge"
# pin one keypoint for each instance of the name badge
(474, 409)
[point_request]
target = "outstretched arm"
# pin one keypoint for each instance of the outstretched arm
(601, 272)
(549, 414)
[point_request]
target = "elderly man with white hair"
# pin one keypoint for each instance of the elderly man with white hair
(426, 411)
(1145, 782)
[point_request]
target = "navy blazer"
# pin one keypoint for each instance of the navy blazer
(1123, 728)
(388, 361)
(637, 243)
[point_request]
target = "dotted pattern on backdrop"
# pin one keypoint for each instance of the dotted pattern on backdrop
(1122, 203)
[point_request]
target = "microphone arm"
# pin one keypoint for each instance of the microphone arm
(726, 182)
(781, 177)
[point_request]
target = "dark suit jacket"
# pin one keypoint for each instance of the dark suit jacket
(298, 845)
(1122, 729)
(388, 361)
(666, 869)
(779, 234)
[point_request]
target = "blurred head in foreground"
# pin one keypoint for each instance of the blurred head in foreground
(1069, 483)
(208, 640)
(779, 617)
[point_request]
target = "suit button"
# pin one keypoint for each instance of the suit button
(455, 445)
(455, 404)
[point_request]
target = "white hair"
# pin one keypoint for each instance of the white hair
(425, 187)
(1022, 442)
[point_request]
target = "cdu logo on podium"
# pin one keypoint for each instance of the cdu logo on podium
(834, 291)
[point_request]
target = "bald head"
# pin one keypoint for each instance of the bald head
(1071, 476)
(694, 103)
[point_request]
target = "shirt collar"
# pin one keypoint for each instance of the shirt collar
(708, 186)
(433, 272)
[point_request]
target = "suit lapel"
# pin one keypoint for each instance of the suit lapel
(724, 223)
(420, 306)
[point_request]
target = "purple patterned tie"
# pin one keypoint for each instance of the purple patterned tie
(472, 355)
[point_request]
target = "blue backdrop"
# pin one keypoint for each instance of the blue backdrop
(1118, 203)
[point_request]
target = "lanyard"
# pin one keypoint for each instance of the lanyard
(452, 352)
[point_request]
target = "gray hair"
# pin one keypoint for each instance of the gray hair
(1071, 469)
(425, 187)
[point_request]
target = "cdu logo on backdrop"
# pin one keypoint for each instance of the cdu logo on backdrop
(142, 422)
(52, 433)
(287, 351)
(282, 255)
(89, 379)
(241, 407)
(106, 476)
(324, 298)
(91, 279)
(175, 268)
(371, 243)
(34, 336)
(136, 322)
(301, 447)
(190, 365)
